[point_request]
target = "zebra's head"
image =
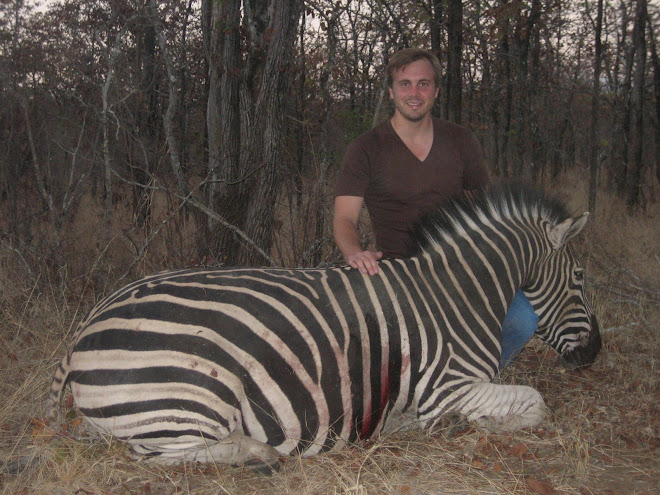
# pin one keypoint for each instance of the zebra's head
(514, 236)
(557, 293)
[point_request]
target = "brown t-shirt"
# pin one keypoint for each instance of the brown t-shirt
(398, 188)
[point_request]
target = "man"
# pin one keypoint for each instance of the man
(404, 167)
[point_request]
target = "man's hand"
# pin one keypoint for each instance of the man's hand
(347, 212)
(365, 261)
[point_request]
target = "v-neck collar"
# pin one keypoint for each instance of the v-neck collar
(402, 142)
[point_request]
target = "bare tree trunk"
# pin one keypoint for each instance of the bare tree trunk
(620, 165)
(11, 163)
(453, 99)
(594, 163)
(169, 119)
(489, 93)
(182, 110)
(655, 60)
(301, 128)
(635, 165)
(107, 164)
(245, 113)
(270, 106)
(106, 112)
(223, 123)
(436, 16)
(535, 100)
(46, 196)
(148, 122)
(321, 186)
(524, 119)
(508, 102)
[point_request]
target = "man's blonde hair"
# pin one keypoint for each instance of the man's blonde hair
(407, 56)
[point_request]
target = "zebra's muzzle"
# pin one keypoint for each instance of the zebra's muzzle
(584, 356)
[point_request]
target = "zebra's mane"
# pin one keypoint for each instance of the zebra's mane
(498, 202)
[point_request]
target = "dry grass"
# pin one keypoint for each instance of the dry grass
(602, 435)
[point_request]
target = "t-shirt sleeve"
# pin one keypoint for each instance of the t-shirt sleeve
(353, 177)
(476, 171)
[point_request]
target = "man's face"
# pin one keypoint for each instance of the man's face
(413, 90)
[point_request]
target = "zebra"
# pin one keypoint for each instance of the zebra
(244, 365)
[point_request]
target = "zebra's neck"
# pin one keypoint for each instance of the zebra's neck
(482, 267)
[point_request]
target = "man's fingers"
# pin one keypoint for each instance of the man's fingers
(360, 266)
(366, 262)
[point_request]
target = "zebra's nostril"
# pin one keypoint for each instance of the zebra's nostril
(585, 354)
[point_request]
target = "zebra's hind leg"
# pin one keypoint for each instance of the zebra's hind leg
(236, 449)
(253, 454)
(502, 407)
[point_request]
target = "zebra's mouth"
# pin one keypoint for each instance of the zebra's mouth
(584, 355)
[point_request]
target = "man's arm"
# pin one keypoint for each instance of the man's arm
(347, 213)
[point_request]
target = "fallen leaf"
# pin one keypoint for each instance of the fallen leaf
(395, 451)
(484, 446)
(41, 432)
(629, 441)
(519, 450)
(539, 486)
(540, 432)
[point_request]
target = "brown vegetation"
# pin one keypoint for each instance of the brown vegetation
(602, 435)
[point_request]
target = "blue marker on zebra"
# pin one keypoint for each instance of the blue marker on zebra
(518, 328)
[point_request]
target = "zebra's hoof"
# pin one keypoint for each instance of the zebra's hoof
(262, 467)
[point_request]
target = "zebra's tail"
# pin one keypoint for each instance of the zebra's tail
(57, 389)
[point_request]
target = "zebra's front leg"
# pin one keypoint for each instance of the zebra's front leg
(501, 407)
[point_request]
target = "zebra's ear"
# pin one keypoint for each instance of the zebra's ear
(562, 233)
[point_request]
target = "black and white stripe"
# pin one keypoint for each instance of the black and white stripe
(306, 360)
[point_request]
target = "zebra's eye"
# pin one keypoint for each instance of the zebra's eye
(578, 274)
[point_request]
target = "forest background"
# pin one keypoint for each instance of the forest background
(140, 135)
